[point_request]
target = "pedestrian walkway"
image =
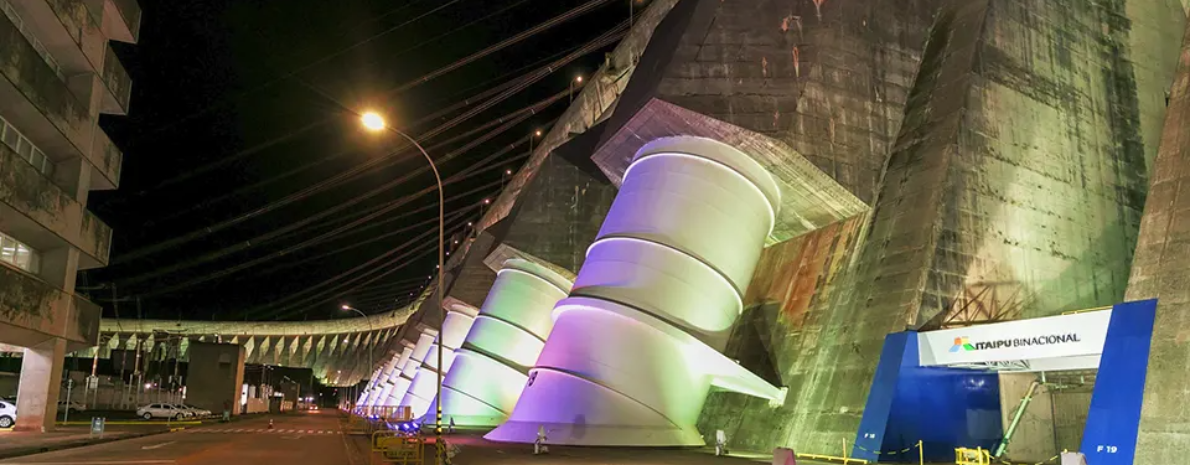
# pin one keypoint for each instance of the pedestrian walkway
(258, 431)
(15, 443)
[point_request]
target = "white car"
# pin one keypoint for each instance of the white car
(74, 407)
(195, 411)
(152, 411)
(8, 414)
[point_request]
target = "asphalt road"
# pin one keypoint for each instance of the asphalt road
(312, 438)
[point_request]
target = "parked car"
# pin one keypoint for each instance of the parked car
(195, 411)
(73, 407)
(152, 411)
(8, 414)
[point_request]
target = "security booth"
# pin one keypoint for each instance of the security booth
(994, 386)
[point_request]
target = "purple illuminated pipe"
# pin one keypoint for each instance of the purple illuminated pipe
(635, 348)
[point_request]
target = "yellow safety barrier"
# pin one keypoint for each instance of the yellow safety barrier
(976, 456)
(844, 458)
(921, 458)
(398, 447)
(1051, 459)
(358, 425)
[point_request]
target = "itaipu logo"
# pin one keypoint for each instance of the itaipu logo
(963, 344)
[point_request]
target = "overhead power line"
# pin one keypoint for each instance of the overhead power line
(372, 239)
(322, 185)
(311, 64)
(603, 40)
(541, 27)
(263, 238)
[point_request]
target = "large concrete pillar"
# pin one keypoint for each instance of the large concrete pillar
(1161, 270)
(489, 371)
(635, 348)
(41, 379)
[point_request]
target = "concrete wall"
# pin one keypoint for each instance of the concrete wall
(1033, 440)
(1012, 104)
(215, 376)
(1160, 271)
(559, 213)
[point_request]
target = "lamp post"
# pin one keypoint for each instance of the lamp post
(577, 80)
(346, 307)
(372, 121)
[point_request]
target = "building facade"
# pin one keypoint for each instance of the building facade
(58, 74)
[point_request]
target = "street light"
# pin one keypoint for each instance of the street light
(372, 121)
(577, 80)
(346, 307)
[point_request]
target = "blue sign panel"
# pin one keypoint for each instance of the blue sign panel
(1114, 418)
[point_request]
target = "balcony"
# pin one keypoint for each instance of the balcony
(44, 216)
(108, 160)
(118, 84)
(69, 31)
(33, 311)
(35, 98)
(121, 20)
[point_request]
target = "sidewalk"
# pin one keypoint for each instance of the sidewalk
(78, 434)
(16, 444)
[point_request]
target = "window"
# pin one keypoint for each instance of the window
(18, 254)
(25, 148)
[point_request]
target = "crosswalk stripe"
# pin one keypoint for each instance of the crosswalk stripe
(260, 430)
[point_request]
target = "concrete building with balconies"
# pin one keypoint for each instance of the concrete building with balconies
(58, 73)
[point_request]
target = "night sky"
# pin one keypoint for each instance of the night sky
(239, 104)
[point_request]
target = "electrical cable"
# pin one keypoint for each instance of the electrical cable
(541, 27)
(305, 221)
(330, 182)
(532, 108)
(398, 262)
(319, 61)
(380, 236)
(426, 248)
(493, 166)
(334, 180)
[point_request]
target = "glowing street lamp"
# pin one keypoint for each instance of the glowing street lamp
(346, 307)
(578, 80)
(374, 122)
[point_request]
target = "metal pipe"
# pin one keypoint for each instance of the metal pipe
(1016, 419)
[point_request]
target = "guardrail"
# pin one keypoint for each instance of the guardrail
(398, 447)
(976, 456)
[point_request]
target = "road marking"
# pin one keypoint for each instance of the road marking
(118, 462)
(260, 431)
(157, 446)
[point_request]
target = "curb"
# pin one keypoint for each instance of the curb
(21, 452)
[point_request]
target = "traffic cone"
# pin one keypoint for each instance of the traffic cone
(270, 423)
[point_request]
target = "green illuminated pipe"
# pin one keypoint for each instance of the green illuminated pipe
(1016, 419)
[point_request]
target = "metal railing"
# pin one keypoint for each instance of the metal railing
(116, 78)
(19, 23)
